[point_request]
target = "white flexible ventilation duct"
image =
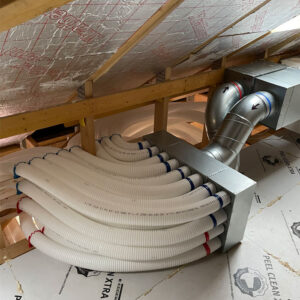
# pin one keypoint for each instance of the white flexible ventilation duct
(112, 215)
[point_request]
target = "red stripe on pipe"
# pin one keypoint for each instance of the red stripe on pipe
(18, 204)
(207, 249)
(237, 86)
(32, 233)
(206, 236)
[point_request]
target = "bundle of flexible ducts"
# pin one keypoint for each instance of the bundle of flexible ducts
(130, 208)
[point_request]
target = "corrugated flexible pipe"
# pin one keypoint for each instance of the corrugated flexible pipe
(238, 125)
(81, 222)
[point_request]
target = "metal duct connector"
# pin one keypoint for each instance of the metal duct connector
(223, 99)
(238, 125)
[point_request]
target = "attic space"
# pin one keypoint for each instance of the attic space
(149, 149)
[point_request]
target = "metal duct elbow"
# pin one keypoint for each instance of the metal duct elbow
(238, 125)
(223, 99)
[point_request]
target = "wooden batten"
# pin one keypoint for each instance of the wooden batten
(15, 12)
(146, 28)
(87, 128)
(282, 44)
(203, 45)
(110, 104)
(161, 108)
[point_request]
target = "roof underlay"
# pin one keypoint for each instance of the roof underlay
(44, 60)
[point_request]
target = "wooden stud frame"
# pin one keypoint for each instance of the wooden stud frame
(161, 108)
(87, 130)
(106, 105)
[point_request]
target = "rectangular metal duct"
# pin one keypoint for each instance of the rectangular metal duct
(239, 187)
(283, 82)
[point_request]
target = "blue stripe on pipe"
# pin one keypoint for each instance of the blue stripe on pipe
(150, 152)
(30, 160)
(268, 100)
(48, 153)
(191, 183)
(160, 158)
(14, 169)
(70, 149)
(17, 189)
(181, 172)
(213, 219)
(60, 151)
(167, 166)
(208, 189)
(140, 145)
(219, 199)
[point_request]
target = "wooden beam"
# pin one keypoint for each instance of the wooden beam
(277, 58)
(147, 27)
(161, 108)
(249, 44)
(87, 128)
(205, 140)
(24, 122)
(30, 142)
(9, 149)
(14, 251)
(196, 50)
(161, 114)
(280, 45)
(16, 12)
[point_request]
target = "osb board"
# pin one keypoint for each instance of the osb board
(265, 266)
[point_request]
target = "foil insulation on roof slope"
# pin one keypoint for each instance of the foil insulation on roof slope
(267, 18)
(44, 60)
(188, 26)
(191, 24)
(292, 46)
(269, 41)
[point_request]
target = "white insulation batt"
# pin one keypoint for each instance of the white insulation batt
(265, 266)
(43, 61)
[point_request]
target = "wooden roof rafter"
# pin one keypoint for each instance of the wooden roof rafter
(146, 28)
(141, 33)
(283, 43)
(210, 40)
(16, 12)
(106, 105)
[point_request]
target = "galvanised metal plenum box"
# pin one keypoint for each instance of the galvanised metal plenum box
(246, 74)
(281, 81)
(285, 86)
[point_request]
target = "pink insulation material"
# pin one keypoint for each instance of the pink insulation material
(44, 60)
